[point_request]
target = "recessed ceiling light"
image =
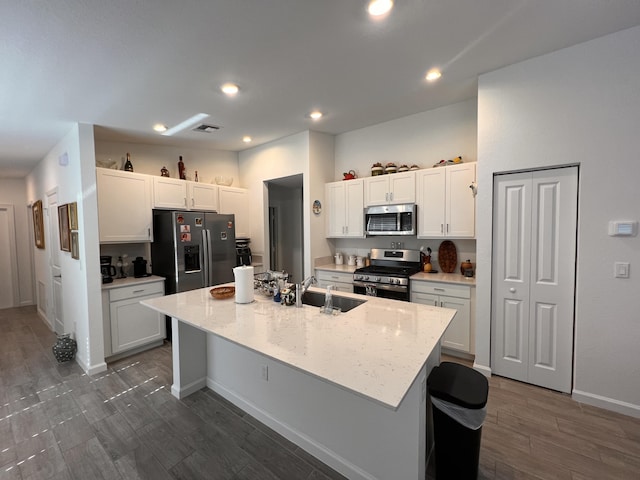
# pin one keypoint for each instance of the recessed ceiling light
(379, 7)
(315, 115)
(230, 88)
(158, 127)
(189, 122)
(246, 139)
(433, 74)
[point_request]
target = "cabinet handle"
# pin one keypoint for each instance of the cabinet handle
(138, 291)
(148, 233)
(391, 197)
(386, 197)
(447, 228)
(441, 228)
(346, 229)
(512, 290)
(193, 202)
(439, 289)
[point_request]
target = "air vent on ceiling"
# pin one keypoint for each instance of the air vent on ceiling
(206, 128)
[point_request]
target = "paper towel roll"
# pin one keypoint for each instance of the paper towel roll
(244, 284)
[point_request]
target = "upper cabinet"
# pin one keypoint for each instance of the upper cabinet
(345, 208)
(446, 204)
(173, 193)
(394, 188)
(124, 206)
(235, 200)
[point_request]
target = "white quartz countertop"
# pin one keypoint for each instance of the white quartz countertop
(444, 278)
(130, 281)
(332, 267)
(375, 350)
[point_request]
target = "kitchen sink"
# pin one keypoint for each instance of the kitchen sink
(316, 299)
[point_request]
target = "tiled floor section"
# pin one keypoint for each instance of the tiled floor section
(58, 423)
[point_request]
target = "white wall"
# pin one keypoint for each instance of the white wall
(149, 159)
(13, 192)
(577, 105)
(75, 182)
(306, 153)
(423, 139)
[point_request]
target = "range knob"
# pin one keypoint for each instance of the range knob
(377, 279)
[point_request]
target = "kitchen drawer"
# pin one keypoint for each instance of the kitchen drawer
(449, 290)
(333, 277)
(156, 288)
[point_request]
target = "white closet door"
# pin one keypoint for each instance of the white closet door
(535, 217)
(553, 254)
(511, 259)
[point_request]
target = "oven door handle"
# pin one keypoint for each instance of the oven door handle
(382, 286)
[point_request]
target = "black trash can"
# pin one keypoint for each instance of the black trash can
(459, 399)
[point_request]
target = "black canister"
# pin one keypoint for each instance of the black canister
(139, 267)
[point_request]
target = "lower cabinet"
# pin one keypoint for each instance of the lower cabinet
(458, 335)
(342, 281)
(132, 325)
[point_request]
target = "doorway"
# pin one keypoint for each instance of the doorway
(56, 313)
(533, 276)
(8, 258)
(286, 245)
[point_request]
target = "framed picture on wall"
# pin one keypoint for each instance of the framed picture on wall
(63, 227)
(38, 224)
(75, 249)
(73, 216)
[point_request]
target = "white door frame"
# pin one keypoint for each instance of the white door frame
(56, 323)
(13, 254)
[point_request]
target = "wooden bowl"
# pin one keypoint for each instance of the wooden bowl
(221, 293)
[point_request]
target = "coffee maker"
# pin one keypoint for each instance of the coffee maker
(243, 252)
(107, 270)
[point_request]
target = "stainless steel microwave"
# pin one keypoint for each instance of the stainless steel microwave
(390, 220)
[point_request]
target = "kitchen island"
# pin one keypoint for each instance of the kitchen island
(350, 388)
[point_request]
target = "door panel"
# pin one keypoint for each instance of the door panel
(56, 313)
(544, 338)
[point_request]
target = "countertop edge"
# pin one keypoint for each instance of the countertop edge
(131, 281)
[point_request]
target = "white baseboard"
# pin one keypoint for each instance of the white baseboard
(187, 390)
(91, 369)
(606, 403)
(314, 448)
(483, 369)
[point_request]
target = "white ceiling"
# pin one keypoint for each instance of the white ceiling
(125, 65)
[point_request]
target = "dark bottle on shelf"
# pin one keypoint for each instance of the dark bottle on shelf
(196, 178)
(181, 169)
(128, 166)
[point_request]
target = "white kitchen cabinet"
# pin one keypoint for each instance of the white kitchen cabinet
(458, 297)
(446, 204)
(175, 194)
(124, 206)
(201, 196)
(344, 209)
(236, 201)
(133, 325)
(395, 188)
(342, 281)
(169, 193)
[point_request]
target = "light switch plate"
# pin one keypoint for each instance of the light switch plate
(621, 269)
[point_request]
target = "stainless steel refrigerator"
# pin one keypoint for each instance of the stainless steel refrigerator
(192, 249)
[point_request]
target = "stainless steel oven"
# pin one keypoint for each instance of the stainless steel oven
(388, 275)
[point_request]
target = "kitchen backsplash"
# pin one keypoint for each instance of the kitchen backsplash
(466, 248)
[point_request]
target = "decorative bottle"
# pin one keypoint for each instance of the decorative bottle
(196, 178)
(128, 166)
(181, 170)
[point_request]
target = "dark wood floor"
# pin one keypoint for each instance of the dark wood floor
(58, 423)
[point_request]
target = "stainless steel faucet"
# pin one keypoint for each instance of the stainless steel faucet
(302, 287)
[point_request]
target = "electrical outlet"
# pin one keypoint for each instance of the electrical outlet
(621, 270)
(264, 372)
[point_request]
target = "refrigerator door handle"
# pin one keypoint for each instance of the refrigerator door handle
(206, 244)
